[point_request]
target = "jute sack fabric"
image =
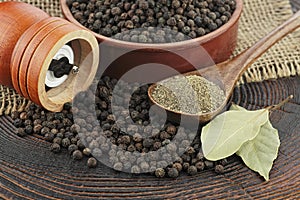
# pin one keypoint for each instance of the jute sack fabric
(259, 18)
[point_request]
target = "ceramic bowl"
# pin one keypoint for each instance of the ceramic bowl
(184, 56)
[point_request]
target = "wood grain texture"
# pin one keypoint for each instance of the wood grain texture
(29, 170)
(15, 18)
(19, 49)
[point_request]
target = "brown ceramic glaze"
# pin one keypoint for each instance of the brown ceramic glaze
(219, 44)
(227, 73)
(31, 40)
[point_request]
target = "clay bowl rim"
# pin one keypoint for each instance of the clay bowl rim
(175, 45)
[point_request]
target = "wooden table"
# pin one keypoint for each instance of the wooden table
(29, 170)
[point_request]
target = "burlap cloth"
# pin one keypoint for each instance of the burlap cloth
(259, 18)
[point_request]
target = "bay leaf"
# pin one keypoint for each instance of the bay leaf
(225, 134)
(258, 154)
(237, 107)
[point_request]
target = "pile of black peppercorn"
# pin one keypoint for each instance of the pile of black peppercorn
(173, 20)
(93, 127)
(57, 128)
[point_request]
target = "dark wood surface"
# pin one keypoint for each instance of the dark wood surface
(295, 5)
(28, 170)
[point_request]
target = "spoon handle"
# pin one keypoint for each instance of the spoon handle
(251, 54)
(232, 70)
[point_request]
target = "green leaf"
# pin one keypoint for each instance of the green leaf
(225, 134)
(237, 107)
(258, 154)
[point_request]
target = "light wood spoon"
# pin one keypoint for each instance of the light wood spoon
(229, 72)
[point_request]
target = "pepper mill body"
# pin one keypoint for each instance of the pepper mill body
(30, 39)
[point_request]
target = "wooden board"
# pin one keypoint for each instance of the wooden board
(29, 170)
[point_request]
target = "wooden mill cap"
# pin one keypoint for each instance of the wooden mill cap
(37, 46)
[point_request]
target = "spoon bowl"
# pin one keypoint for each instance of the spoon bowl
(230, 71)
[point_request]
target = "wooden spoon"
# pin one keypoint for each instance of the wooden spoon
(229, 72)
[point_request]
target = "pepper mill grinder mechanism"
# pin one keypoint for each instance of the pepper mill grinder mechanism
(48, 60)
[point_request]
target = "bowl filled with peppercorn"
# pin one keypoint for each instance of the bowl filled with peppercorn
(153, 30)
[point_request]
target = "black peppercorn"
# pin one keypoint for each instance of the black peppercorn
(200, 166)
(29, 129)
(192, 170)
(86, 151)
(97, 153)
(55, 148)
(135, 169)
(219, 22)
(37, 128)
(72, 148)
(57, 140)
(185, 166)
(129, 24)
(116, 11)
(224, 19)
(177, 166)
(80, 144)
(212, 15)
(190, 150)
(200, 156)
(21, 132)
(175, 4)
(74, 140)
(74, 128)
(134, 38)
(164, 135)
(18, 123)
(192, 14)
(173, 172)
(58, 134)
(77, 155)
(49, 137)
(144, 166)
(212, 26)
(142, 38)
(137, 137)
(91, 162)
(65, 142)
(14, 115)
(219, 169)
(147, 142)
(172, 21)
(78, 16)
(160, 172)
(131, 148)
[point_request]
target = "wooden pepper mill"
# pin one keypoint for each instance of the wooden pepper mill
(30, 40)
